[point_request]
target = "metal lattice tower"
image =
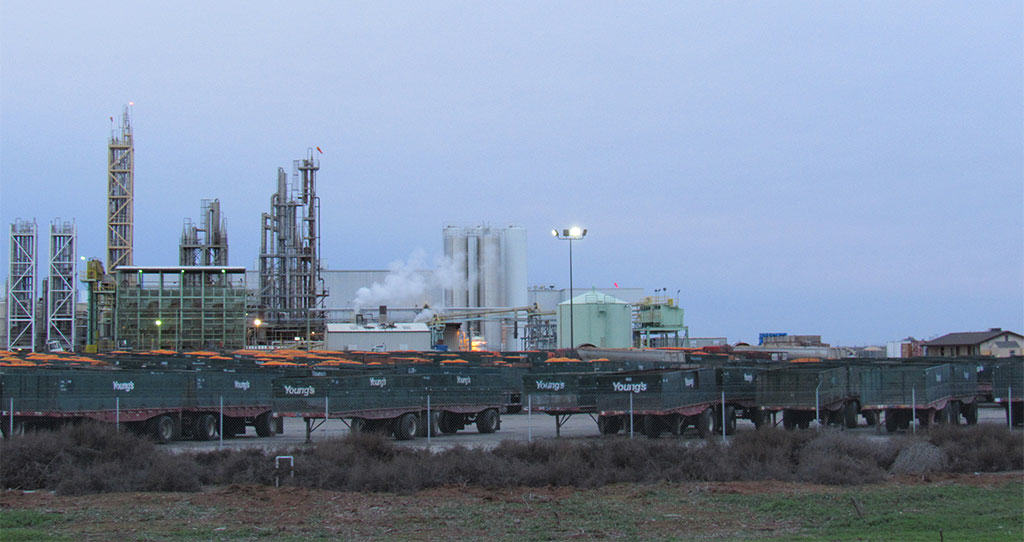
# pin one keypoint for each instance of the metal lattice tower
(62, 294)
(290, 283)
(21, 292)
(120, 194)
(206, 244)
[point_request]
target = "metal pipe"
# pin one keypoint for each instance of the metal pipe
(430, 421)
(817, 402)
(723, 415)
(10, 419)
(529, 418)
(117, 414)
(630, 415)
(221, 431)
(913, 410)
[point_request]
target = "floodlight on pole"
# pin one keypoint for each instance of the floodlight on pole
(573, 233)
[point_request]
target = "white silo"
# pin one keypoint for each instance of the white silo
(493, 265)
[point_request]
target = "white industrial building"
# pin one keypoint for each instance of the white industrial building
(378, 337)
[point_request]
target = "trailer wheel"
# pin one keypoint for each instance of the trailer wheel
(870, 418)
(609, 425)
(165, 429)
(487, 421)
(892, 421)
(757, 416)
(406, 426)
(953, 413)
(427, 425)
(789, 421)
(650, 426)
(703, 423)
(970, 411)
(850, 415)
(447, 423)
(265, 425)
(19, 428)
(206, 427)
(357, 425)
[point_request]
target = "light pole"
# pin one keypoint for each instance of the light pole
(574, 233)
(256, 323)
(158, 337)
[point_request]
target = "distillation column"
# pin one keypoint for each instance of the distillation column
(21, 292)
(120, 194)
(62, 294)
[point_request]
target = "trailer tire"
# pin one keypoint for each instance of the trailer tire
(789, 421)
(165, 429)
(850, 415)
(609, 425)
(206, 427)
(406, 426)
(892, 421)
(870, 418)
(953, 413)
(970, 411)
(357, 425)
(264, 425)
(487, 421)
(428, 425)
(20, 428)
(650, 426)
(447, 423)
(757, 416)
(730, 419)
(703, 423)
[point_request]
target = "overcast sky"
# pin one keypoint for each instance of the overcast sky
(849, 169)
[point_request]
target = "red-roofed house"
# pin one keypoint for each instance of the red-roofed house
(994, 342)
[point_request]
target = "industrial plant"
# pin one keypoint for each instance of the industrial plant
(477, 298)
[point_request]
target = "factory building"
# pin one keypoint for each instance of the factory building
(180, 308)
(378, 336)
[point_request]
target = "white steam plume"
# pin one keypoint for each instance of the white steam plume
(409, 283)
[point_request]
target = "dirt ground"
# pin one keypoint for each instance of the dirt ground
(660, 511)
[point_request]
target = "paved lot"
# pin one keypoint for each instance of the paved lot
(513, 427)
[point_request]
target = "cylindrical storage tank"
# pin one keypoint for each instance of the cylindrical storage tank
(473, 268)
(598, 319)
(515, 267)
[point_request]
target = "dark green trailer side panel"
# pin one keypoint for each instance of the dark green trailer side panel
(1008, 380)
(657, 390)
(802, 386)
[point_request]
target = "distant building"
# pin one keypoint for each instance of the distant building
(905, 348)
(384, 336)
(994, 342)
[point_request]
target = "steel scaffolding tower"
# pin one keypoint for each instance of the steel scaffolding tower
(120, 194)
(61, 292)
(291, 289)
(21, 292)
(206, 244)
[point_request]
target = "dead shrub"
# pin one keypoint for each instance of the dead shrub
(979, 448)
(837, 458)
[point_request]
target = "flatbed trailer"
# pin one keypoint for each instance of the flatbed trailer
(401, 405)
(931, 394)
(1008, 389)
(739, 384)
(657, 401)
(802, 392)
(563, 395)
(168, 405)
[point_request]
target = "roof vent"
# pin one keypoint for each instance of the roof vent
(995, 329)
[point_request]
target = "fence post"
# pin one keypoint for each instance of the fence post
(10, 419)
(117, 414)
(430, 421)
(817, 403)
(913, 410)
(529, 418)
(631, 415)
(1009, 406)
(327, 413)
(723, 415)
(221, 432)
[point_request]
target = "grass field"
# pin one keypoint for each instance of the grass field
(947, 508)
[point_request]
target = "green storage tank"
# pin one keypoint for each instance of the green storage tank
(598, 319)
